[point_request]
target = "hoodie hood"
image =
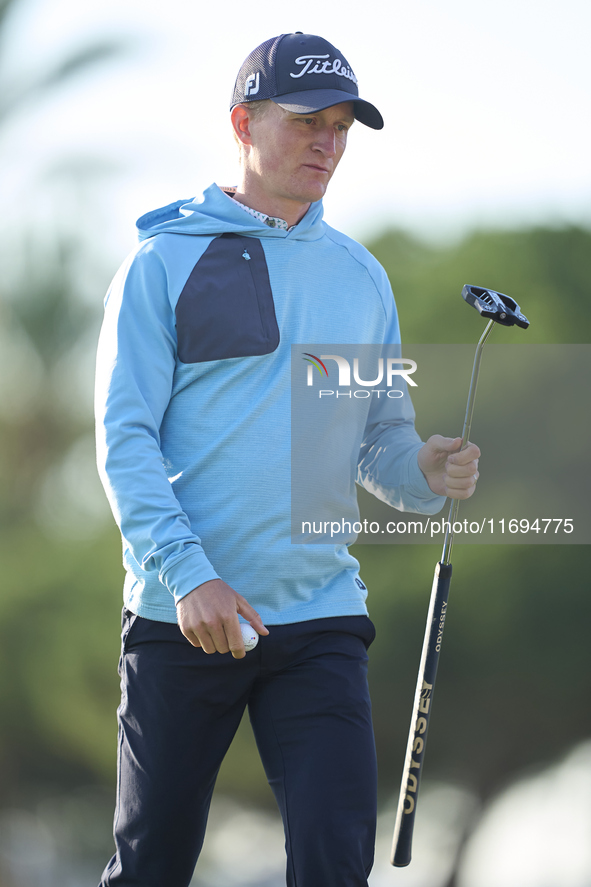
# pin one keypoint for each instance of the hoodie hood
(217, 213)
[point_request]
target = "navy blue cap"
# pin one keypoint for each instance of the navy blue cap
(304, 74)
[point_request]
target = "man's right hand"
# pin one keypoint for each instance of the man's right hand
(208, 618)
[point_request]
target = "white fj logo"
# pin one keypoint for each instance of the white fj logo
(251, 87)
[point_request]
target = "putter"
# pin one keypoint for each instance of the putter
(503, 310)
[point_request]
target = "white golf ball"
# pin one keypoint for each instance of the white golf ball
(249, 636)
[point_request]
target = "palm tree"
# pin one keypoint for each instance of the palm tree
(34, 89)
(43, 320)
(47, 318)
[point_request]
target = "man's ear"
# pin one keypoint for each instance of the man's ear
(240, 118)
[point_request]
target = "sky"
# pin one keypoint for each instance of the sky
(486, 108)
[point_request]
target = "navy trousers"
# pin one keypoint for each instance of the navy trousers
(305, 686)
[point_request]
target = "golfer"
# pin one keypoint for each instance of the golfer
(193, 430)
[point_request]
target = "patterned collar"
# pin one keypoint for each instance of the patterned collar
(270, 221)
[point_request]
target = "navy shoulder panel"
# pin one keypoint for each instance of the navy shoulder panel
(226, 308)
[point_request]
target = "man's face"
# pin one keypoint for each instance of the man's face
(293, 156)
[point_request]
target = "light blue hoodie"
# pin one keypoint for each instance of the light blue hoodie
(193, 406)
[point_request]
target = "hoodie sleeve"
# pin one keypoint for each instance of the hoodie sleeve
(135, 367)
(388, 466)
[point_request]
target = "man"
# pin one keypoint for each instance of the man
(193, 419)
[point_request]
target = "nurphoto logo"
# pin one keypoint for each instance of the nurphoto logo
(389, 370)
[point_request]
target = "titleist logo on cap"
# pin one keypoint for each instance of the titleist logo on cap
(312, 64)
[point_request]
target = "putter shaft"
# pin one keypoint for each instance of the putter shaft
(455, 504)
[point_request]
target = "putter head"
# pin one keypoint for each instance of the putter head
(502, 309)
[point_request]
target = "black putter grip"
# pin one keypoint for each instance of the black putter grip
(417, 737)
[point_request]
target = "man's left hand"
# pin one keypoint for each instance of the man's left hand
(448, 470)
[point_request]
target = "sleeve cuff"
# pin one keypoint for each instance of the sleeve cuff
(187, 573)
(417, 484)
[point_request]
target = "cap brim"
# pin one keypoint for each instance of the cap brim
(312, 100)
